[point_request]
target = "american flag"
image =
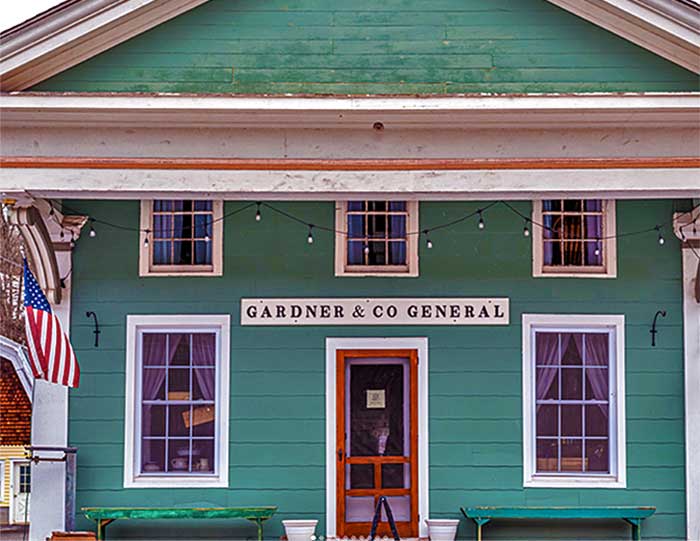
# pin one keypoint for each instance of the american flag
(50, 352)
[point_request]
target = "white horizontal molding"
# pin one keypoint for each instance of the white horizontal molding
(333, 185)
(73, 34)
(496, 111)
(667, 28)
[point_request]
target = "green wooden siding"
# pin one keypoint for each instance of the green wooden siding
(364, 46)
(277, 409)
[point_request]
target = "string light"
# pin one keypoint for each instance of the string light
(526, 230)
(661, 237)
(145, 239)
(597, 247)
(428, 242)
(366, 249)
(310, 238)
(207, 238)
(482, 224)
(92, 233)
(258, 215)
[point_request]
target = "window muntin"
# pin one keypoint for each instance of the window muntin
(178, 403)
(576, 238)
(25, 479)
(573, 233)
(182, 231)
(572, 402)
(374, 238)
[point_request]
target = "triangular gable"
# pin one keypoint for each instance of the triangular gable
(37, 50)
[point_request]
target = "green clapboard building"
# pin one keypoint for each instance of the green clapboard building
(441, 252)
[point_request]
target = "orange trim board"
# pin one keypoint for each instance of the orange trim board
(244, 164)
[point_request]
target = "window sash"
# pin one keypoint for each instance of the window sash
(167, 438)
(560, 435)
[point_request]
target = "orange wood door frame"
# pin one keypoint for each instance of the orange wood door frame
(406, 529)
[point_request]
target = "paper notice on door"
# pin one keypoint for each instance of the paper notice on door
(376, 399)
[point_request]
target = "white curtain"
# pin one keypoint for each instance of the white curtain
(204, 353)
(597, 354)
(547, 353)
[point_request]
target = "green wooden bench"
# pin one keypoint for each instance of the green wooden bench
(106, 515)
(632, 515)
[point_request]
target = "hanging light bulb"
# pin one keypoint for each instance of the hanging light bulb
(597, 247)
(62, 234)
(145, 239)
(92, 233)
(526, 230)
(258, 215)
(428, 242)
(310, 238)
(366, 249)
(662, 241)
(206, 238)
(482, 224)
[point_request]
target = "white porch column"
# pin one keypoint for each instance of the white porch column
(51, 252)
(691, 332)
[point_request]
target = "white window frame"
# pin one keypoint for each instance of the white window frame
(146, 267)
(608, 244)
(220, 324)
(2, 482)
(615, 324)
(341, 247)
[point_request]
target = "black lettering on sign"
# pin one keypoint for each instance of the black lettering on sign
(454, 310)
(266, 313)
(426, 311)
(378, 311)
(412, 311)
(325, 311)
(391, 310)
(468, 311)
(251, 312)
(498, 312)
(311, 311)
(296, 311)
(280, 311)
(440, 310)
(338, 311)
(483, 312)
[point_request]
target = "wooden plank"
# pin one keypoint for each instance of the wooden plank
(273, 164)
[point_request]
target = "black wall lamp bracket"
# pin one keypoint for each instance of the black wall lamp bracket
(96, 332)
(653, 330)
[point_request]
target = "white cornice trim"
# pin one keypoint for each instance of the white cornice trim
(494, 111)
(73, 35)
(667, 28)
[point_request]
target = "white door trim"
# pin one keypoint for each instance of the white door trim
(334, 344)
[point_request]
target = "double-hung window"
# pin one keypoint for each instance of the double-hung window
(573, 382)
(574, 237)
(177, 401)
(376, 238)
(181, 237)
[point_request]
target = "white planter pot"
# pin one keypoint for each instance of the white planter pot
(442, 529)
(300, 530)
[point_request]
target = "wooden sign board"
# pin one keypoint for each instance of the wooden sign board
(435, 311)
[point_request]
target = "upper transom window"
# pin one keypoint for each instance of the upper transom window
(184, 237)
(576, 237)
(375, 238)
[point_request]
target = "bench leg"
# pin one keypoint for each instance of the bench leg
(480, 522)
(636, 524)
(102, 526)
(259, 524)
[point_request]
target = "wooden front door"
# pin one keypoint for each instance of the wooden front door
(377, 440)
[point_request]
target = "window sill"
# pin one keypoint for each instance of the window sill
(176, 481)
(543, 481)
(574, 274)
(184, 272)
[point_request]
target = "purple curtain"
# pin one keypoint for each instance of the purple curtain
(597, 354)
(154, 354)
(594, 230)
(547, 353)
(204, 353)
